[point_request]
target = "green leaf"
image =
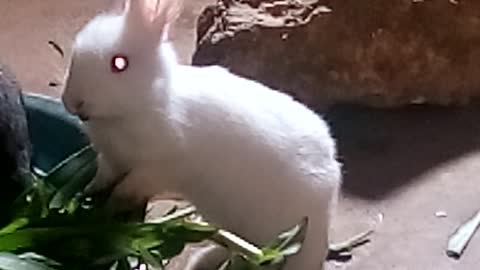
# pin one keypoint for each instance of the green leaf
(15, 225)
(286, 244)
(123, 264)
(293, 235)
(272, 256)
(291, 249)
(74, 185)
(29, 207)
(150, 259)
(69, 168)
(86, 238)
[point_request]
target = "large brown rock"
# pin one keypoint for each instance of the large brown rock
(381, 52)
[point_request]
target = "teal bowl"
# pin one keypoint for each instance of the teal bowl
(54, 133)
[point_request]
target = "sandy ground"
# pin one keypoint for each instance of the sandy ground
(404, 165)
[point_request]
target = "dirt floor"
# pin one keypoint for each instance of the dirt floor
(400, 167)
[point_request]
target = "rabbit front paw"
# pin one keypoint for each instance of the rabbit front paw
(104, 177)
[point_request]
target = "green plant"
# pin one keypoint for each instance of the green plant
(54, 226)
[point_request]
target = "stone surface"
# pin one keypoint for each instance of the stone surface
(380, 53)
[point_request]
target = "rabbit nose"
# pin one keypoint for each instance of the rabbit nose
(72, 106)
(80, 111)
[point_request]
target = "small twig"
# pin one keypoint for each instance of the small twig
(343, 249)
(221, 237)
(56, 47)
(236, 244)
(224, 265)
(462, 236)
(181, 213)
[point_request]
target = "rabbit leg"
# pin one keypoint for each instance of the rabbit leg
(128, 192)
(104, 176)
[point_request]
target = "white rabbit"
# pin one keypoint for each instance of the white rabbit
(251, 159)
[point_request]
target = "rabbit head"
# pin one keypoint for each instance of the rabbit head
(117, 63)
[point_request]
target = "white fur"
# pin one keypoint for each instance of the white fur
(250, 158)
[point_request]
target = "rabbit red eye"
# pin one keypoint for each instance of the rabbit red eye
(119, 63)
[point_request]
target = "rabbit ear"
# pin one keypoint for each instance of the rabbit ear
(154, 15)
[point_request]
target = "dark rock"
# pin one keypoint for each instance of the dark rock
(15, 148)
(382, 53)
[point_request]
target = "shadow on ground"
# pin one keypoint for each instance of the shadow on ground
(383, 150)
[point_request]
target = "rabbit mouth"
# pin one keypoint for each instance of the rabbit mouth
(84, 117)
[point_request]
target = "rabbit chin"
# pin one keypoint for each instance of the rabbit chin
(97, 116)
